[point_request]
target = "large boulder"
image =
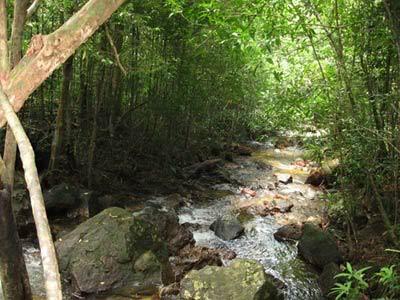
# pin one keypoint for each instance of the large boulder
(116, 248)
(318, 247)
(96, 255)
(227, 227)
(243, 279)
(167, 236)
(61, 197)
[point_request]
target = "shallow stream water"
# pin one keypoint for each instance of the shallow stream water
(279, 259)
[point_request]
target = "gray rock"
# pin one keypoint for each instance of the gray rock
(95, 256)
(284, 178)
(115, 249)
(318, 247)
(227, 227)
(243, 279)
(61, 197)
(327, 278)
(289, 232)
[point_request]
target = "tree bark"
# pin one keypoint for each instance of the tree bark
(48, 52)
(59, 133)
(48, 253)
(13, 284)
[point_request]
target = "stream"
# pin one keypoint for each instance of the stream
(260, 173)
(258, 242)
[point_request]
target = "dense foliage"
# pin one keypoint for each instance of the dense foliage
(174, 80)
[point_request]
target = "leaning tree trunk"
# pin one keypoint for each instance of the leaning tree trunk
(44, 55)
(48, 253)
(14, 274)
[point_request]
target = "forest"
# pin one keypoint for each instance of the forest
(204, 149)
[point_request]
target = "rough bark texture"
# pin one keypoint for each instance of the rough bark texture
(3, 41)
(49, 259)
(10, 251)
(46, 53)
(10, 145)
(15, 285)
(20, 9)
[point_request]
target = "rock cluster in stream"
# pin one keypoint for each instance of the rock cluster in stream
(318, 248)
(117, 252)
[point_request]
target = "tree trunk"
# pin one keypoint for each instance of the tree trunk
(44, 55)
(17, 285)
(48, 253)
(13, 282)
(59, 133)
(47, 52)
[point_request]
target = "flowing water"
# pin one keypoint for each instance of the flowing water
(35, 270)
(279, 259)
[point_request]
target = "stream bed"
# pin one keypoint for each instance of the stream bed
(258, 242)
(260, 173)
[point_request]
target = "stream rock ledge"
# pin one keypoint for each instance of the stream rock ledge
(243, 279)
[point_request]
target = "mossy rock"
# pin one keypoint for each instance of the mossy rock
(117, 248)
(243, 279)
(318, 247)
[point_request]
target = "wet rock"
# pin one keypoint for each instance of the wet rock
(174, 201)
(247, 191)
(210, 195)
(196, 258)
(327, 278)
(318, 247)
(61, 197)
(191, 226)
(284, 178)
(227, 227)
(243, 279)
(153, 227)
(290, 232)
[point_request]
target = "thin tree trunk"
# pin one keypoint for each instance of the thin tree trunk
(59, 133)
(13, 283)
(48, 253)
(16, 283)
(47, 53)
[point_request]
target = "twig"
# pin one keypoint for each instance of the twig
(33, 8)
(110, 40)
